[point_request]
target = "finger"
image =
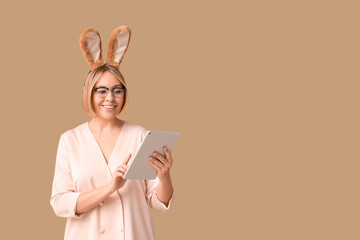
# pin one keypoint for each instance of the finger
(156, 160)
(119, 174)
(122, 175)
(121, 168)
(152, 162)
(125, 162)
(156, 163)
(160, 157)
(166, 163)
(168, 154)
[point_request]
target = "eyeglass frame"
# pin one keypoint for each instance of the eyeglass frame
(108, 89)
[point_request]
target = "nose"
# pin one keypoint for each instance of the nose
(110, 96)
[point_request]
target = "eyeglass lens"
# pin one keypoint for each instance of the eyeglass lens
(103, 92)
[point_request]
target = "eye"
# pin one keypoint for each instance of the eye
(102, 91)
(117, 91)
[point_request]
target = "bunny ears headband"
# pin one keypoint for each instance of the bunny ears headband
(90, 43)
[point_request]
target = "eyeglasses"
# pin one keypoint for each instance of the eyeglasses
(102, 92)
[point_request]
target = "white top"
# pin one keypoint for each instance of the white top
(81, 166)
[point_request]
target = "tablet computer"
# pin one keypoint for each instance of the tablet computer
(139, 164)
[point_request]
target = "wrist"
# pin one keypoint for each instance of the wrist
(165, 178)
(109, 189)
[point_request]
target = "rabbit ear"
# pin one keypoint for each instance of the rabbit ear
(118, 43)
(90, 43)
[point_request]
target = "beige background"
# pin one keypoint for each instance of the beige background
(264, 93)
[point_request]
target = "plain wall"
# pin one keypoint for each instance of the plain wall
(264, 93)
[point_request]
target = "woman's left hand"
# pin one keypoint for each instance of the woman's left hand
(163, 164)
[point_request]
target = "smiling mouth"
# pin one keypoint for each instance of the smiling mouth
(108, 107)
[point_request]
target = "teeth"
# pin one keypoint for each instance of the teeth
(109, 106)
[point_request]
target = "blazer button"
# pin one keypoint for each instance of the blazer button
(102, 231)
(101, 204)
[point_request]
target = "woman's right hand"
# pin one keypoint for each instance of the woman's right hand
(117, 180)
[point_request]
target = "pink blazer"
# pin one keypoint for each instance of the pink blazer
(80, 167)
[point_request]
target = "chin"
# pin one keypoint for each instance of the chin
(106, 116)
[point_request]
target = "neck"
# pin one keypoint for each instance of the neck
(97, 123)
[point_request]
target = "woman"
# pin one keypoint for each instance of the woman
(88, 187)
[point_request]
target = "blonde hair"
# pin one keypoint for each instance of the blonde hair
(91, 78)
